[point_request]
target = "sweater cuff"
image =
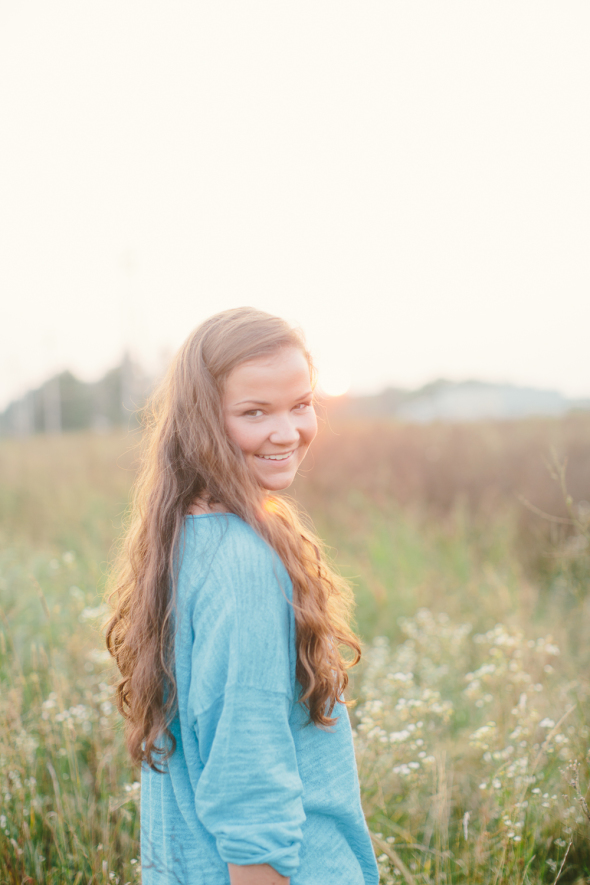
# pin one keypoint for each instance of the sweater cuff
(244, 847)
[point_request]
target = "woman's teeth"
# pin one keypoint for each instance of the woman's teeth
(275, 457)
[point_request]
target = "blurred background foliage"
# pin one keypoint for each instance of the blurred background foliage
(480, 523)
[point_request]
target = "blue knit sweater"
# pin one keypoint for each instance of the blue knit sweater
(249, 781)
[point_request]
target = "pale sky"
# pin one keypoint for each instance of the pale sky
(409, 181)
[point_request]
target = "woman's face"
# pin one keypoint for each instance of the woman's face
(268, 412)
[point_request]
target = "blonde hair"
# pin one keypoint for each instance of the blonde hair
(188, 455)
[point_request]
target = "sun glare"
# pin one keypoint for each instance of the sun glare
(333, 383)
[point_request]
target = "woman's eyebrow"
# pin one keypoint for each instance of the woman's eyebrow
(260, 402)
(252, 402)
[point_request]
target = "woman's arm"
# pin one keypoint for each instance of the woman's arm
(258, 874)
(240, 700)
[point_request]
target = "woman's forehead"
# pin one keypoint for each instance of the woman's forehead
(275, 373)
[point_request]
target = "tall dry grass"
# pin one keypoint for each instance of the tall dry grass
(490, 470)
(464, 733)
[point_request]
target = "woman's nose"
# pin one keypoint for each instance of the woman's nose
(284, 431)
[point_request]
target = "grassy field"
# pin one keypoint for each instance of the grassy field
(472, 716)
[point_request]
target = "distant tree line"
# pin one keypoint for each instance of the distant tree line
(64, 403)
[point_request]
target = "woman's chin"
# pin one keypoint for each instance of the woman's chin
(275, 483)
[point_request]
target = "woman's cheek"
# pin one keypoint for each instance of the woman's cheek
(239, 433)
(252, 440)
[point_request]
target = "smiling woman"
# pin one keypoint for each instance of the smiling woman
(229, 628)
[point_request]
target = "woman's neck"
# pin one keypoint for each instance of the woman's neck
(203, 505)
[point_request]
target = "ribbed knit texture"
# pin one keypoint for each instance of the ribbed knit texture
(250, 782)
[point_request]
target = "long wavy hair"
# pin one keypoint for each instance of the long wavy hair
(188, 455)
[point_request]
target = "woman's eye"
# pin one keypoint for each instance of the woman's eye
(253, 413)
(301, 407)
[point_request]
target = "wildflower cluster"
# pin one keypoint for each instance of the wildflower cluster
(82, 717)
(62, 756)
(444, 701)
(403, 714)
(522, 749)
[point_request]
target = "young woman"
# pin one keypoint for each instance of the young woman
(228, 626)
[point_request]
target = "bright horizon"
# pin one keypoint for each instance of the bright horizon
(407, 182)
(334, 385)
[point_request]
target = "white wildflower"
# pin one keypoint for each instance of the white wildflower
(466, 817)
(91, 614)
(396, 737)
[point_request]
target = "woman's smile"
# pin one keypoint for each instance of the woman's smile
(280, 457)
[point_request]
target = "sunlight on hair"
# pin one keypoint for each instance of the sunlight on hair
(270, 505)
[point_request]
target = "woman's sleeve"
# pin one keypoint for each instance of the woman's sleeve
(249, 793)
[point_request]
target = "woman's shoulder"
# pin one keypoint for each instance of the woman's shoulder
(225, 533)
(233, 607)
(222, 547)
